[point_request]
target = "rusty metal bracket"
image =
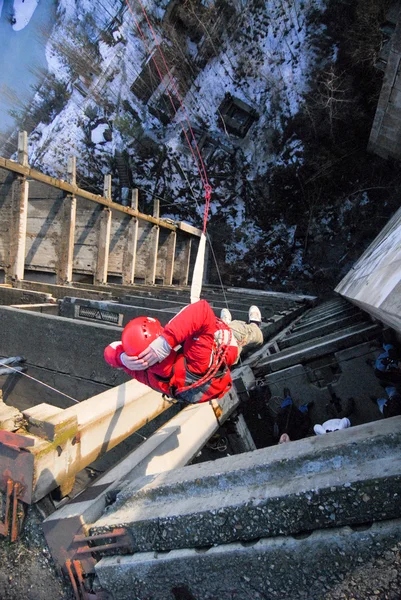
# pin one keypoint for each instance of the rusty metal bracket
(77, 578)
(13, 491)
(120, 535)
(81, 566)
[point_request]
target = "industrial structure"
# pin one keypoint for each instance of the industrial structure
(139, 502)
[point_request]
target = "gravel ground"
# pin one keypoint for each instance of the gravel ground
(27, 571)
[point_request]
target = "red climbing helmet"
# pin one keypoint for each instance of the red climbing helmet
(139, 333)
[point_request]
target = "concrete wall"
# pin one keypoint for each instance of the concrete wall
(63, 353)
(374, 282)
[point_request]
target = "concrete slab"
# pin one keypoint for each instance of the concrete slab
(324, 563)
(349, 476)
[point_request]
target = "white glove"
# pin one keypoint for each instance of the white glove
(133, 363)
(332, 425)
(157, 351)
(222, 338)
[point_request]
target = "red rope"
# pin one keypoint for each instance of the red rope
(219, 356)
(197, 157)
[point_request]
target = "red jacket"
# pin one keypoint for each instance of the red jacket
(193, 328)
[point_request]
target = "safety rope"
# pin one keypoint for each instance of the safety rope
(41, 382)
(219, 354)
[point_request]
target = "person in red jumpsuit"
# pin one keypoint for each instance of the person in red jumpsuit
(188, 359)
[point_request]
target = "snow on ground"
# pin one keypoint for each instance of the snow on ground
(267, 66)
(97, 133)
(23, 11)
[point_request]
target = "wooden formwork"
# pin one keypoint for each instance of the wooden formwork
(51, 225)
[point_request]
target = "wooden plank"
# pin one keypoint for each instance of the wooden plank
(23, 148)
(153, 241)
(166, 256)
(129, 256)
(6, 194)
(18, 227)
(102, 263)
(13, 166)
(182, 262)
(64, 268)
(43, 237)
(118, 240)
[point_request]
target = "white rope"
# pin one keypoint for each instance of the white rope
(41, 382)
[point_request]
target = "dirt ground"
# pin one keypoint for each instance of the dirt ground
(27, 571)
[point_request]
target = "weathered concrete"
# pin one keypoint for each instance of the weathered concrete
(279, 295)
(67, 346)
(44, 308)
(173, 445)
(319, 347)
(318, 320)
(374, 282)
(282, 568)
(123, 313)
(10, 295)
(59, 291)
(349, 476)
(111, 312)
(328, 326)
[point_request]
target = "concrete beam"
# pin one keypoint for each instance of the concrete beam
(60, 443)
(45, 307)
(111, 312)
(120, 314)
(10, 295)
(349, 476)
(317, 320)
(333, 563)
(281, 295)
(174, 445)
(59, 291)
(313, 349)
(314, 332)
